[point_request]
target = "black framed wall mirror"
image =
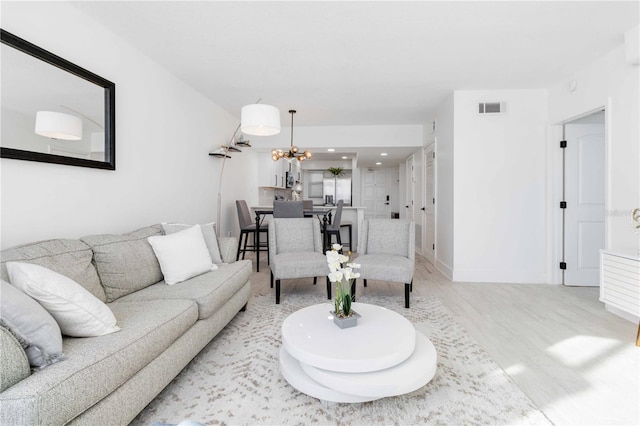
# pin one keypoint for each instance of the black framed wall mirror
(52, 110)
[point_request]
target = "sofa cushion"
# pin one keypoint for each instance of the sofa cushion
(96, 366)
(210, 291)
(125, 263)
(71, 258)
(78, 312)
(34, 327)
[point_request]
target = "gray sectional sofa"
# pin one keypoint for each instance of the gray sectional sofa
(109, 379)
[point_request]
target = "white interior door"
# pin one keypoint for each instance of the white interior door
(374, 194)
(584, 233)
(428, 209)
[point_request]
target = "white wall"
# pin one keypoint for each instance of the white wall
(344, 136)
(612, 83)
(500, 187)
(164, 131)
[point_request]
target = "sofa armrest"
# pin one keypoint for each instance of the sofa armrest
(228, 248)
(14, 365)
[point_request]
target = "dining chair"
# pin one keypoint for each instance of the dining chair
(248, 227)
(334, 227)
(386, 249)
(288, 209)
(295, 247)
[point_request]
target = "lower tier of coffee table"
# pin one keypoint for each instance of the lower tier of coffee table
(326, 385)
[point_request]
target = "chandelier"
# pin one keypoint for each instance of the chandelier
(293, 153)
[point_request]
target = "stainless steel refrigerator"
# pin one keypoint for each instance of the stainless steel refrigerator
(336, 189)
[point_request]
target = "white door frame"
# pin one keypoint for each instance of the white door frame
(411, 188)
(555, 189)
(430, 148)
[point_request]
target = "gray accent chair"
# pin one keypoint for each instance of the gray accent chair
(288, 209)
(295, 247)
(386, 249)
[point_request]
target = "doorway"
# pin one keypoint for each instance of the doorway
(583, 201)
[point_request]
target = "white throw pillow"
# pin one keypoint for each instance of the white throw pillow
(78, 312)
(208, 232)
(182, 255)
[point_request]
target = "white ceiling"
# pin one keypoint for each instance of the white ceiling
(365, 62)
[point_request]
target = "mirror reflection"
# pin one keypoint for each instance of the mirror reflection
(51, 112)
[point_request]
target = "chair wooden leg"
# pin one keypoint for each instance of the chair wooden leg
(239, 245)
(365, 282)
(277, 292)
(268, 255)
(315, 280)
(244, 308)
(350, 244)
(411, 288)
(246, 240)
(353, 291)
(407, 291)
(272, 279)
(338, 237)
(328, 289)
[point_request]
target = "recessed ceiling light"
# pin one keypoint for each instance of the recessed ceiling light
(331, 149)
(383, 153)
(344, 157)
(378, 163)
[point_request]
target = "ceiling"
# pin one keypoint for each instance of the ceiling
(361, 62)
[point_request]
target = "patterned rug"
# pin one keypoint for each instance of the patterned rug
(236, 378)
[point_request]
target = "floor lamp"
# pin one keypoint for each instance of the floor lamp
(256, 120)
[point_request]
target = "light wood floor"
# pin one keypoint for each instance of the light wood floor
(577, 362)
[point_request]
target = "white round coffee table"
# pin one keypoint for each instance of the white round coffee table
(382, 356)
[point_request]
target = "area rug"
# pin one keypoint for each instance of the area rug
(236, 378)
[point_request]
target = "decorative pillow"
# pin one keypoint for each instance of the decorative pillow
(208, 232)
(78, 312)
(182, 255)
(125, 263)
(35, 329)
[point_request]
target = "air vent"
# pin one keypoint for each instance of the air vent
(492, 107)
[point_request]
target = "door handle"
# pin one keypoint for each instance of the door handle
(386, 204)
(406, 207)
(422, 209)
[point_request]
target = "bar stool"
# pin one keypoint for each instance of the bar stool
(334, 227)
(248, 226)
(347, 224)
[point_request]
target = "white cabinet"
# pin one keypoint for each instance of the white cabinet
(271, 173)
(620, 282)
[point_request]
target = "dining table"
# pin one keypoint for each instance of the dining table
(323, 213)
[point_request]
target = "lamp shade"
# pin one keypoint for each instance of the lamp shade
(260, 120)
(57, 125)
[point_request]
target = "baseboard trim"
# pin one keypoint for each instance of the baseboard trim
(444, 269)
(502, 276)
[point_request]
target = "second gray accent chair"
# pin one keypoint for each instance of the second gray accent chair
(386, 249)
(295, 249)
